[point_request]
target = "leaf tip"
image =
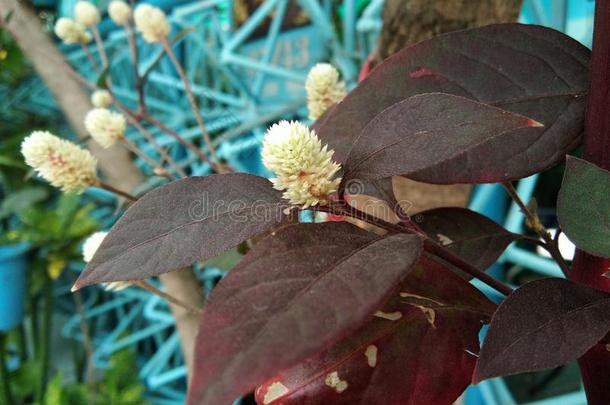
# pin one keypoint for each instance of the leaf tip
(534, 124)
(75, 287)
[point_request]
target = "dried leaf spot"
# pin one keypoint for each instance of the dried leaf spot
(390, 316)
(275, 390)
(371, 355)
(444, 239)
(333, 381)
(534, 124)
(429, 313)
(421, 72)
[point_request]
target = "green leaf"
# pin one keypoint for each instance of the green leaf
(22, 199)
(583, 206)
(101, 79)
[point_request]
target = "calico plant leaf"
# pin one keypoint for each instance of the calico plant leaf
(473, 237)
(293, 295)
(419, 348)
(440, 135)
(546, 323)
(184, 221)
(529, 70)
(583, 206)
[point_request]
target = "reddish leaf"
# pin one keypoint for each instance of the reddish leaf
(294, 294)
(433, 133)
(187, 220)
(534, 71)
(415, 351)
(475, 238)
(544, 324)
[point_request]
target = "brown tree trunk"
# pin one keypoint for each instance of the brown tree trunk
(115, 163)
(406, 22)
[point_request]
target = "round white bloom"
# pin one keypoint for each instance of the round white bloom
(151, 23)
(119, 12)
(71, 32)
(323, 89)
(60, 162)
(86, 13)
(105, 126)
(304, 168)
(101, 99)
(90, 246)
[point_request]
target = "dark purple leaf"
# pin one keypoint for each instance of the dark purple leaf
(184, 221)
(294, 294)
(544, 324)
(475, 238)
(419, 349)
(533, 71)
(583, 206)
(433, 133)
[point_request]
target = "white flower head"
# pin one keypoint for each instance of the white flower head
(151, 22)
(60, 162)
(105, 126)
(101, 99)
(90, 246)
(71, 32)
(86, 13)
(304, 168)
(323, 89)
(119, 12)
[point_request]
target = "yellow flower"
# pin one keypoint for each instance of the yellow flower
(105, 126)
(323, 89)
(71, 32)
(304, 168)
(151, 23)
(86, 13)
(60, 162)
(119, 12)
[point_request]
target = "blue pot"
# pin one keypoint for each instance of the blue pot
(13, 267)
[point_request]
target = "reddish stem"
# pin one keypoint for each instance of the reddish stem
(588, 269)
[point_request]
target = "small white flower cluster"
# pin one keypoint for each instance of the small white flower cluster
(323, 89)
(71, 32)
(86, 13)
(105, 126)
(119, 12)
(60, 162)
(151, 23)
(90, 246)
(101, 99)
(304, 168)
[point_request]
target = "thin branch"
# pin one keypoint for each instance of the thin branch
(139, 81)
(191, 98)
(154, 290)
(100, 46)
(536, 225)
(114, 190)
(92, 60)
(160, 170)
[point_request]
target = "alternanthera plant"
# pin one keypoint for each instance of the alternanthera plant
(384, 313)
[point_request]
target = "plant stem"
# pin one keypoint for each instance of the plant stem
(154, 290)
(90, 57)
(131, 40)
(537, 226)
(6, 383)
(158, 168)
(45, 338)
(88, 343)
(191, 98)
(100, 46)
(116, 191)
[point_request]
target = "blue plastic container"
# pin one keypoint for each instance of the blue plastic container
(13, 268)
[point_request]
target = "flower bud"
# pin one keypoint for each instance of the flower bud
(119, 12)
(323, 89)
(304, 168)
(86, 14)
(101, 99)
(60, 162)
(151, 23)
(71, 32)
(92, 243)
(105, 126)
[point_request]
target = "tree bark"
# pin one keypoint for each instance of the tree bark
(115, 163)
(406, 22)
